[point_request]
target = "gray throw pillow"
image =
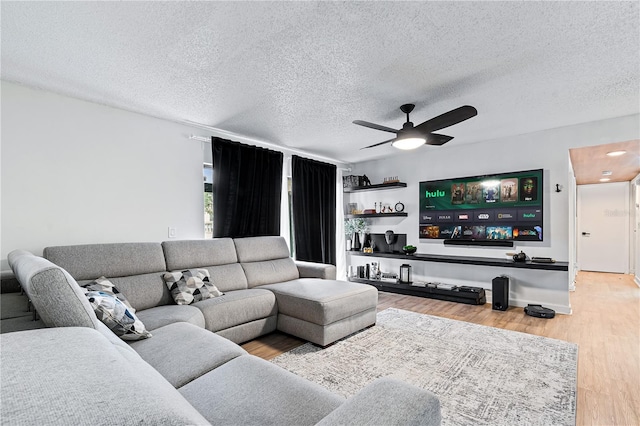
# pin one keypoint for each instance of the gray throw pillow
(191, 285)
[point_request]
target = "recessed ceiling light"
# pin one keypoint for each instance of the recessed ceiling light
(605, 180)
(607, 173)
(615, 153)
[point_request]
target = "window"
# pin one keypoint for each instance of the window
(207, 172)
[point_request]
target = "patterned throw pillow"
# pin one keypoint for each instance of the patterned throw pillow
(103, 284)
(117, 316)
(190, 286)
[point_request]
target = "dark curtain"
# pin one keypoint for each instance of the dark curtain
(313, 191)
(247, 186)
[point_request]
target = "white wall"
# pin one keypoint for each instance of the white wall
(547, 150)
(75, 172)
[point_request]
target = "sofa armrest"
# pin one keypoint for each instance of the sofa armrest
(316, 270)
(387, 402)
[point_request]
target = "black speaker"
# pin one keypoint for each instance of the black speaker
(500, 293)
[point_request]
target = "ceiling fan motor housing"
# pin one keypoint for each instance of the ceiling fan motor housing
(407, 108)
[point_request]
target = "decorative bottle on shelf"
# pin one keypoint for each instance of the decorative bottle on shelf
(378, 206)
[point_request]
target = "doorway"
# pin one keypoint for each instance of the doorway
(603, 227)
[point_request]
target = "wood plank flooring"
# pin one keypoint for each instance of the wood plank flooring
(605, 324)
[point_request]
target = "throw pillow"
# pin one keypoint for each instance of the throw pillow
(117, 316)
(103, 284)
(190, 286)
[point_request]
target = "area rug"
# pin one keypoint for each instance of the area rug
(482, 375)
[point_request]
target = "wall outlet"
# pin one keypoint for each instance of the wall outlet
(172, 232)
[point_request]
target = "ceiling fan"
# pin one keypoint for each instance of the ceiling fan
(410, 137)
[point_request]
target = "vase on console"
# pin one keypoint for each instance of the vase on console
(355, 241)
(355, 228)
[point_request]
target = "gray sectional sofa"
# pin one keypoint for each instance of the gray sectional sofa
(190, 371)
(264, 288)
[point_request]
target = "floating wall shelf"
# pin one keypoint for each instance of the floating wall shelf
(353, 216)
(376, 187)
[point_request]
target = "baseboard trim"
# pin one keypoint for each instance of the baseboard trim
(636, 278)
(560, 309)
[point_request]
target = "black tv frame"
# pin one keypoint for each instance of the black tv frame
(460, 209)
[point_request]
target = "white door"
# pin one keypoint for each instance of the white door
(603, 227)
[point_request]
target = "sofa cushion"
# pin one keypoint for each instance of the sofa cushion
(250, 330)
(228, 277)
(265, 260)
(324, 271)
(373, 405)
(189, 254)
(117, 316)
(142, 291)
(190, 285)
(87, 261)
(323, 302)
(135, 268)
(237, 307)
(56, 296)
(104, 285)
(217, 255)
(168, 314)
(257, 249)
(182, 352)
(270, 271)
(251, 391)
(74, 376)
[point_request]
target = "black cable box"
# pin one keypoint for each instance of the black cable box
(468, 289)
(542, 260)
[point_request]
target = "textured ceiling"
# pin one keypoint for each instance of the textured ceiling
(297, 74)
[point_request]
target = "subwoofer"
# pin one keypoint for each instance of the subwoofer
(500, 293)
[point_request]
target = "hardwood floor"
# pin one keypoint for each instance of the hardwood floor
(605, 324)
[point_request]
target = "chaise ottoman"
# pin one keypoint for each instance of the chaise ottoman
(323, 311)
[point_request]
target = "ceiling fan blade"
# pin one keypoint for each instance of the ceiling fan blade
(379, 143)
(374, 126)
(437, 139)
(447, 119)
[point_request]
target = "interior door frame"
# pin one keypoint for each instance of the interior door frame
(631, 242)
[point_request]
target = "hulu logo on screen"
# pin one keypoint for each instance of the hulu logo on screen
(434, 194)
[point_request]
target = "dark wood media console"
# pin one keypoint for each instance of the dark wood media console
(468, 260)
(455, 295)
(519, 271)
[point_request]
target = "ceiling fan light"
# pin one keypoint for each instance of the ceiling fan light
(408, 143)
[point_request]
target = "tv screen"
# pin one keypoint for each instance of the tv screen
(504, 206)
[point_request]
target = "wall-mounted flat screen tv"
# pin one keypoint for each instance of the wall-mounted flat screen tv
(504, 206)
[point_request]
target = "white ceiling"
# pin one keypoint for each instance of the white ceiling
(298, 73)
